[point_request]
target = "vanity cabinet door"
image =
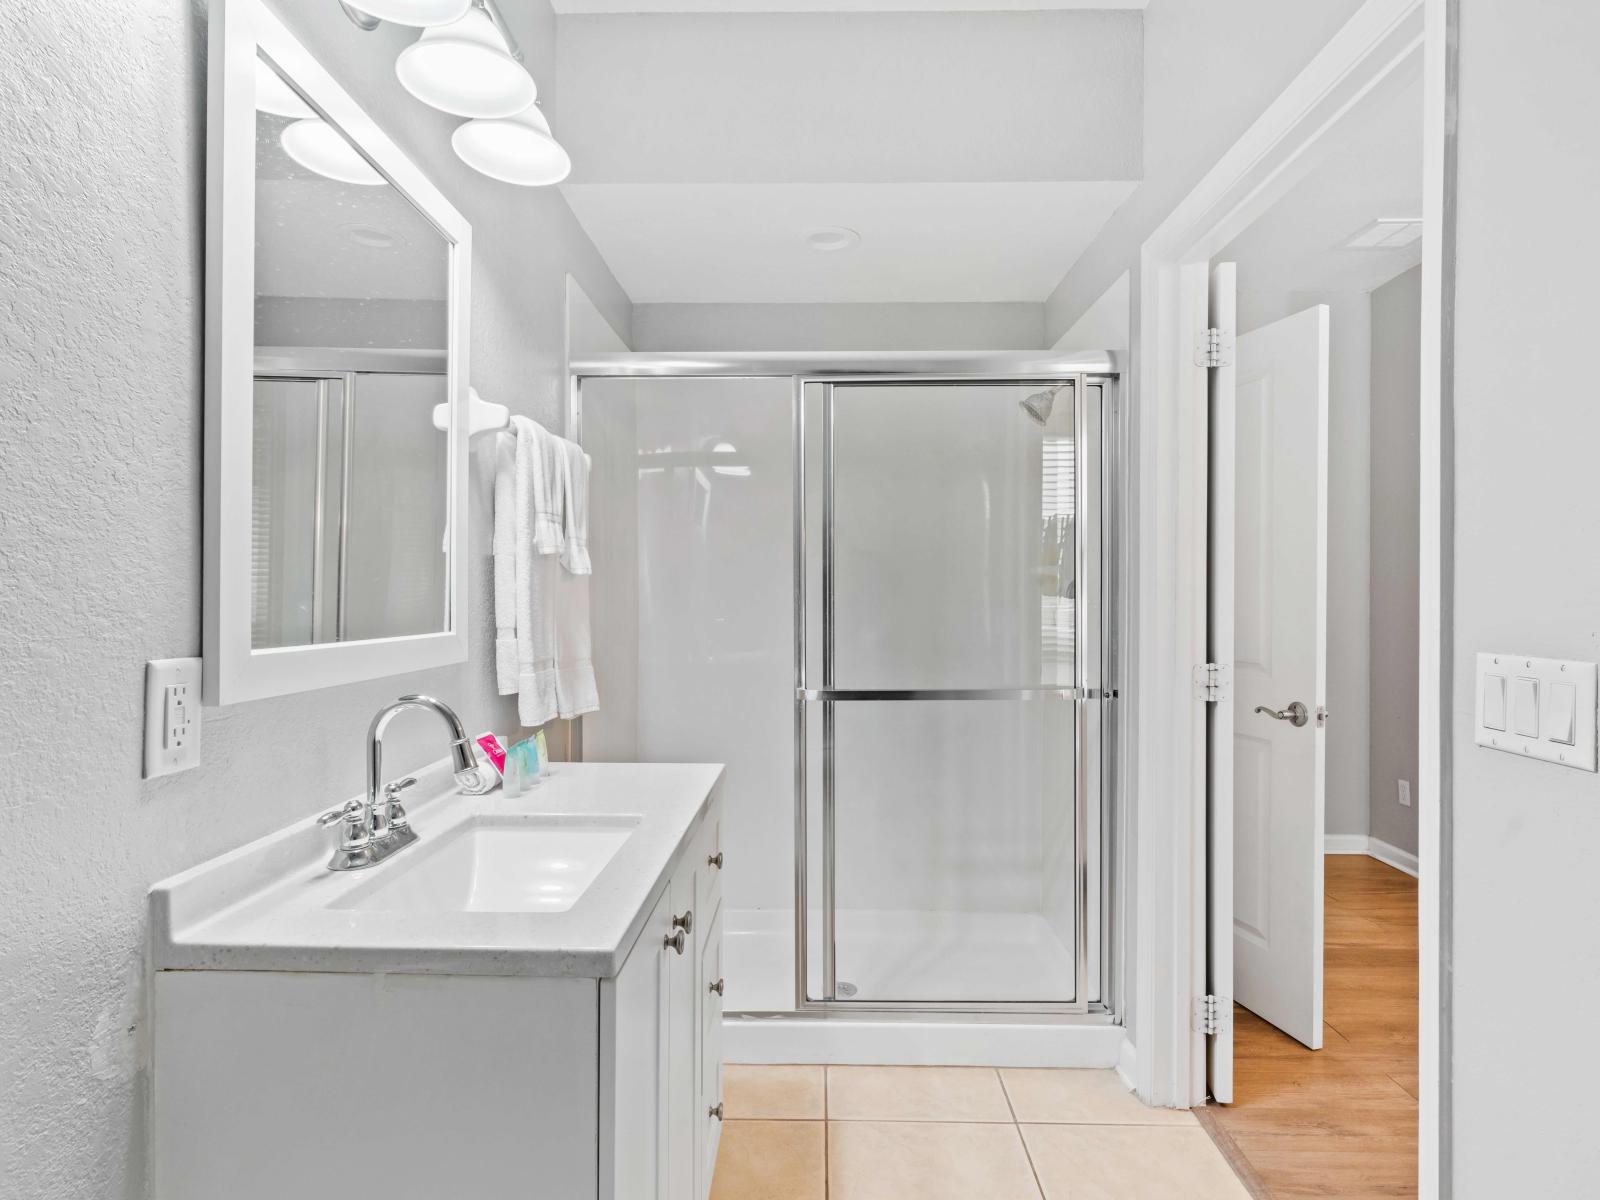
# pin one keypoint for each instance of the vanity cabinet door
(636, 1076)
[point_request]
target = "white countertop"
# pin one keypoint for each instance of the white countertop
(271, 905)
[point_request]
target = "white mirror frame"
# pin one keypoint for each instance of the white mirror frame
(233, 670)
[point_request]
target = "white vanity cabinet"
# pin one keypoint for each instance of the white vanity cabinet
(660, 1041)
(415, 1081)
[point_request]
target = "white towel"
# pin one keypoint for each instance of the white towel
(542, 637)
(541, 484)
(575, 526)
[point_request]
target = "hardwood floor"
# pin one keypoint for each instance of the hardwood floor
(1340, 1121)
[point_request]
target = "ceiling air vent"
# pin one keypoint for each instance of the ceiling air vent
(1387, 233)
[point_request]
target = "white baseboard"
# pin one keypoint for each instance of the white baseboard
(1360, 843)
(1128, 1065)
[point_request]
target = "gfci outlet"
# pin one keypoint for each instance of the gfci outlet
(171, 715)
(1405, 793)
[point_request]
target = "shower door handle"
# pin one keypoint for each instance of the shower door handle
(1296, 714)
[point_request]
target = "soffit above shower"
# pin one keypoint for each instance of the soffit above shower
(977, 153)
(745, 244)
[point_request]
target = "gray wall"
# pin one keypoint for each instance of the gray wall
(838, 327)
(1525, 952)
(1395, 454)
(101, 220)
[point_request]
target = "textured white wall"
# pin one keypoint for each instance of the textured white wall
(101, 235)
(1526, 835)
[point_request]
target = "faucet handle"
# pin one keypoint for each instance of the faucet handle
(395, 812)
(354, 835)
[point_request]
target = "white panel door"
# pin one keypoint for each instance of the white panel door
(1280, 669)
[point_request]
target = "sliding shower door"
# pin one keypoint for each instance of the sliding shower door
(949, 693)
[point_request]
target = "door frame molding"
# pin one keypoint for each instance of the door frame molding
(1382, 43)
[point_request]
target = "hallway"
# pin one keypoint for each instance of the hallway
(1341, 1121)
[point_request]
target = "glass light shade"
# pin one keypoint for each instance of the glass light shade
(415, 12)
(519, 149)
(464, 68)
(275, 96)
(318, 146)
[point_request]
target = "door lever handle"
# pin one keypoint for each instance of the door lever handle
(1296, 714)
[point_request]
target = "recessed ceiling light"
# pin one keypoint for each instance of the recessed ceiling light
(1386, 233)
(832, 237)
(371, 235)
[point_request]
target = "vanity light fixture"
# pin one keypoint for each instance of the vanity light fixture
(318, 146)
(406, 12)
(518, 149)
(466, 68)
(275, 96)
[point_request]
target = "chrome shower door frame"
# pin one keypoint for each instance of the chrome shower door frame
(1098, 483)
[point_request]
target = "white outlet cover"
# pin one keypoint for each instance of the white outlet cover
(171, 715)
(1554, 696)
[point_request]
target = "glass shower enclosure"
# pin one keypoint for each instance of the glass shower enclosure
(877, 588)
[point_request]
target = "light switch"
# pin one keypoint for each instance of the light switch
(1560, 713)
(1541, 708)
(1494, 701)
(1525, 706)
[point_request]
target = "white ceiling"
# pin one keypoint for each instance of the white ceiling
(815, 6)
(1372, 169)
(744, 243)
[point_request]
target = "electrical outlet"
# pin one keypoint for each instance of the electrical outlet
(171, 715)
(1405, 793)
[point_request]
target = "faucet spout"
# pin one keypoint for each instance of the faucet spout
(462, 759)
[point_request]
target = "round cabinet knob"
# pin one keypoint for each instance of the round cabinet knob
(677, 941)
(715, 987)
(716, 860)
(715, 1111)
(685, 922)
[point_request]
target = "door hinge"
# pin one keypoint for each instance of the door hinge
(1213, 682)
(1212, 1014)
(1213, 348)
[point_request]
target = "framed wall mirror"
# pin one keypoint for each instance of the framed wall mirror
(336, 382)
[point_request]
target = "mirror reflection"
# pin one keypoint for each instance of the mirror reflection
(349, 484)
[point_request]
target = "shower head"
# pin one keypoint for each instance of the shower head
(1040, 404)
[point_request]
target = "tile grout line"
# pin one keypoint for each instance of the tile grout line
(827, 1136)
(1027, 1153)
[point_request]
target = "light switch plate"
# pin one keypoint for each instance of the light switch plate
(171, 715)
(1541, 708)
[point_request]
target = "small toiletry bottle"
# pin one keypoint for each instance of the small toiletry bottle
(544, 752)
(535, 751)
(516, 775)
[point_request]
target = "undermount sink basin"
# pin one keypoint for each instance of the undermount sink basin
(496, 864)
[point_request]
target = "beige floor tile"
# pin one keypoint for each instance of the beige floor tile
(772, 1093)
(1081, 1097)
(771, 1160)
(908, 1160)
(1125, 1162)
(916, 1094)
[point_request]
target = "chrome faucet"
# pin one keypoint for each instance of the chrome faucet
(372, 831)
